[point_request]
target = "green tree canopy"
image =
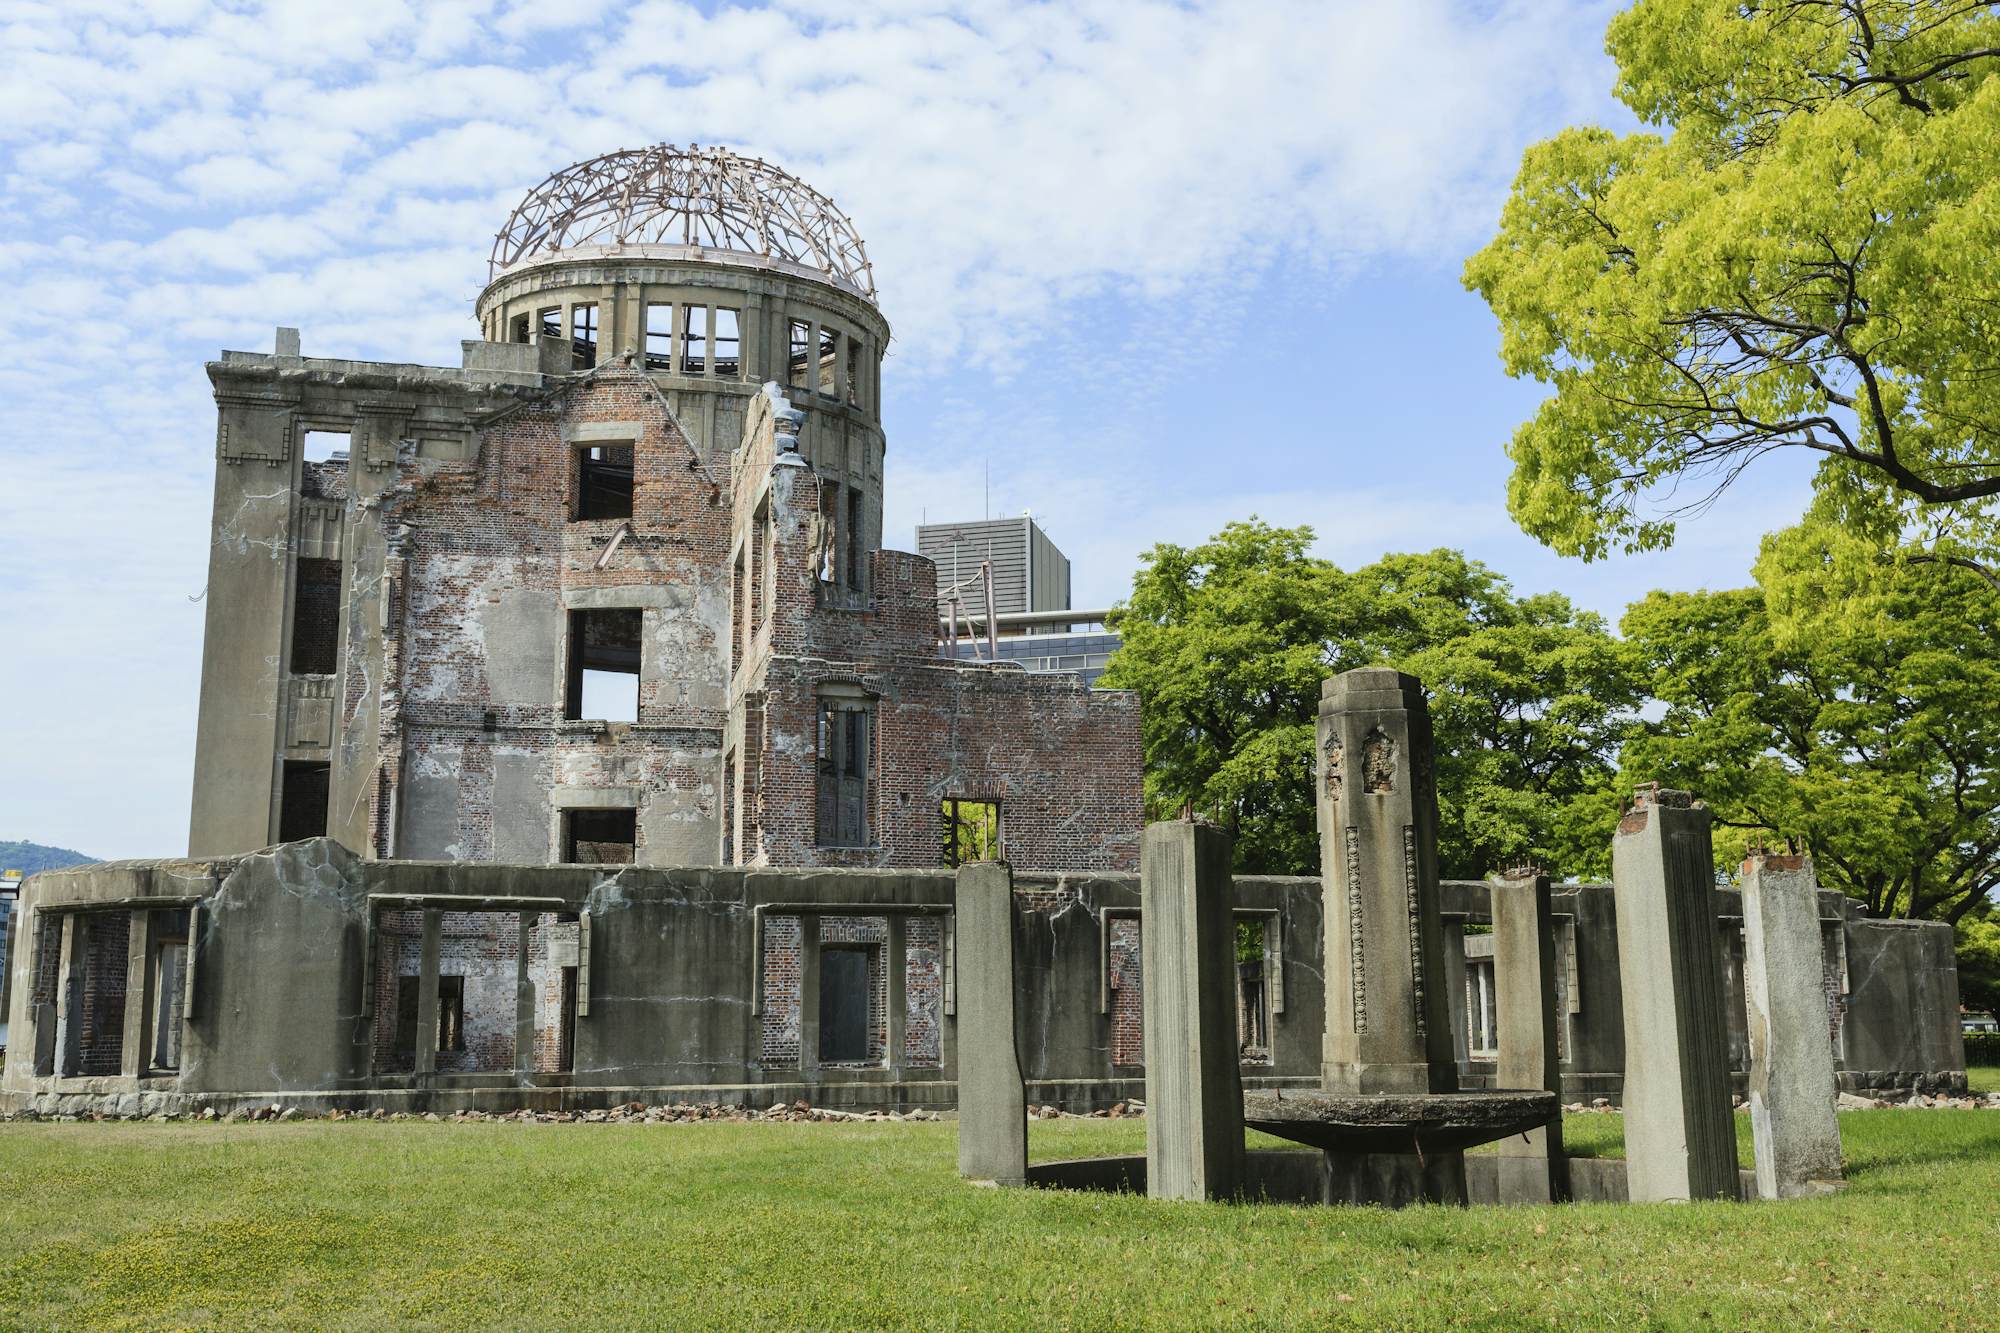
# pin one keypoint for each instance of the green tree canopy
(1804, 261)
(1227, 644)
(1873, 744)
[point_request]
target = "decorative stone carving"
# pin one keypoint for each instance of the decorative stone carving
(1357, 959)
(1330, 761)
(1378, 763)
(1416, 923)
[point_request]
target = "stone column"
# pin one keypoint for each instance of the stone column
(1187, 945)
(1792, 1094)
(1680, 1139)
(992, 1103)
(1533, 1168)
(1388, 1022)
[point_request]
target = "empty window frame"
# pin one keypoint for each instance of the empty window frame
(659, 336)
(846, 765)
(548, 322)
(728, 343)
(694, 340)
(760, 567)
(800, 353)
(583, 336)
(971, 830)
(169, 988)
(315, 616)
(1253, 993)
(451, 1013)
(302, 800)
(854, 543)
(600, 837)
(853, 372)
(324, 446)
(829, 357)
(521, 329)
(604, 658)
(604, 481)
(831, 549)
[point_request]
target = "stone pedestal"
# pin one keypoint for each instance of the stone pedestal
(992, 1103)
(1680, 1139)
(1532, 1166)
(1187, 942)
(1792, 1092)
(1388, 1016)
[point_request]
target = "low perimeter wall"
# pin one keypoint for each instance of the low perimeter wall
(305, 974)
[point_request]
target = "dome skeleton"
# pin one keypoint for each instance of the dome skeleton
(706, 198)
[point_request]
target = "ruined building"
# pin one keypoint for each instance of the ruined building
(614, 592)
(614, 589)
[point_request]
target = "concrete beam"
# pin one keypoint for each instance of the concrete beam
(1533, 1167)
(1680, 1138)
(1792, 1094)
(1187, 944)
(992, 1101)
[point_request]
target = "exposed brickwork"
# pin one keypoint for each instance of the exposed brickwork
(923, 992)
(315, 616)
(100, 1038)
(782, 936)
(1128, 995)
(482, 948)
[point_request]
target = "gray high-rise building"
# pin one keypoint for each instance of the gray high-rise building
(1029, 573)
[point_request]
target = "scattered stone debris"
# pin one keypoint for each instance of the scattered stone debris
(625, 1113)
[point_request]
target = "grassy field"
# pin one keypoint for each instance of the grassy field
(723, 1225)
(1984, 1078)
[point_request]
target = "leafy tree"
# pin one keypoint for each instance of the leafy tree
(1979, 960)
(1802, 261)
(1873, 744)
(1227, 644)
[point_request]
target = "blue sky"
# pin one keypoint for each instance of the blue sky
(1156, 266)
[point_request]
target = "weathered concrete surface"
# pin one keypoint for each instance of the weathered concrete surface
(1792, 1120)
(1903, 982)
(992, 1107)
(1533, 1168)
(1679, 1136)
(1388, 1021)
(1194, 1089)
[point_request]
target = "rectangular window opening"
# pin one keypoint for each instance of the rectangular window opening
(845, 767)
(853, 372)
(583, 336)
(1253, 998)
(971, 830)
(604, 481)
(600, 837)
(548, 322)
(855, 548)
(520, 329)
(728, 344)
(451, 1014)
(315, 616)
(659, 336)
(845, 989)
(800, 352)
(829, 357)
(324, 446)
(302, 801)
(694, 340)
(604, 655)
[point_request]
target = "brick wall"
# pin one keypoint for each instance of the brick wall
(923, 992)
(100, 1038)
(1128, 995)
(780, 1046)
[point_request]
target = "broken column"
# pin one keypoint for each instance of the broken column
(1680, 1138)
(1187, 944)
(992, 1103)
(1532, 1166)
(1388, 1022)
(1792, 1093)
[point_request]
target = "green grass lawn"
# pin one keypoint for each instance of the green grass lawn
(1984, 1078)
(362, 1224)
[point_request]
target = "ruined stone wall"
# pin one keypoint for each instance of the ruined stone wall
(494, 565)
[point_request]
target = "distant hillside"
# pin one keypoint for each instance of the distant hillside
(32, 856)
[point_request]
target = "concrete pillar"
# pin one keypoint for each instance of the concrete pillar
(1452, 936)
(1532, 1167)
(427, 992)
(896, 958)
(135, 1054)
(992, 1102)
(1792, 1094)
(809, 998)
(1388, 1021)
(1680, 1139)
(1187, 946)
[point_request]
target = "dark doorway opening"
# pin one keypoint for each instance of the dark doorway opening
(600, 837)
(843, 1004)
(302, 803)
